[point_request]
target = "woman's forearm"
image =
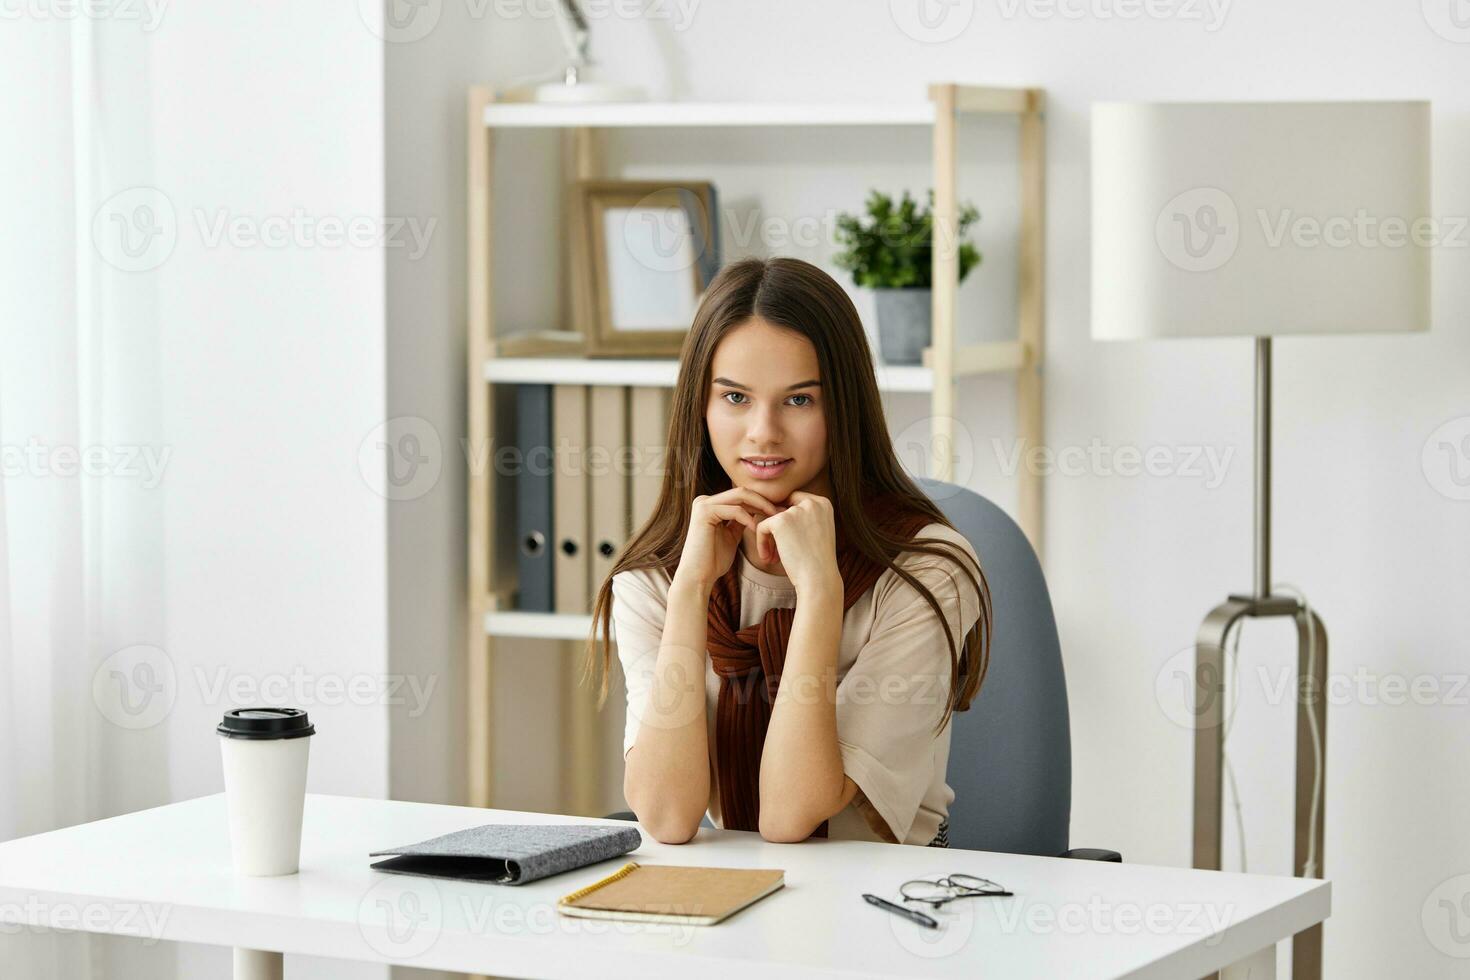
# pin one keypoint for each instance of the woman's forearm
(801, 776)
(666, 778)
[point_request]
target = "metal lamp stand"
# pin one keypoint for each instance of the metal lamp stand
(1210, 686)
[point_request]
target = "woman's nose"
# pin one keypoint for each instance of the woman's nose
(765, 426)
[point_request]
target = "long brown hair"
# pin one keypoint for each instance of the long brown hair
(798, 296)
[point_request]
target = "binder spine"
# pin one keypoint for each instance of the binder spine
(534, 541)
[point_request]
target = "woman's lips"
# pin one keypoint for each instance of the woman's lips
(765, 472)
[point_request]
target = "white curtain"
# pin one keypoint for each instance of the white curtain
(46, 727)
(79, 517)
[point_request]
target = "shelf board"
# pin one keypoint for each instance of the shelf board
(545, 626)
(634, 115)
(665, 114)
(649, 372)
(654, 373)
(998, 356)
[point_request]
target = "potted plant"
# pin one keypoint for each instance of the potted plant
(891, 252)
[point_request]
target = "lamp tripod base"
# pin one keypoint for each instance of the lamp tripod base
(1209, 743)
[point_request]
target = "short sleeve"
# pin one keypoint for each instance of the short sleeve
(892, 698)
(638, 614)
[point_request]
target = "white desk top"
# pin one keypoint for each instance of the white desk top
(165, 873)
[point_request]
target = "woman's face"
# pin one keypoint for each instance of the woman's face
(765, 402)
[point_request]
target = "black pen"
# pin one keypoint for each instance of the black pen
(918, 917)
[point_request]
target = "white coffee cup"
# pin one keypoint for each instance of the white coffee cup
(264, 751)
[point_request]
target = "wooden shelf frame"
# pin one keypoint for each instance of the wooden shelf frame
(494, 359)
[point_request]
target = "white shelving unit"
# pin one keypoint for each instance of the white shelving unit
(492, 357)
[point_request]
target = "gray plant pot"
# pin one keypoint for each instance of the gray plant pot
(904, 321)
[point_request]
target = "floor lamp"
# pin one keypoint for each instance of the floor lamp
(1261, 219)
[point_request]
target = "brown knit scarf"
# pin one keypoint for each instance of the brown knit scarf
(749, 661)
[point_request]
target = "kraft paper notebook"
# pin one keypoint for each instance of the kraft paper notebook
(672, 893)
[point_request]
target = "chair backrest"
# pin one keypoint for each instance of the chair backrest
(1010, 757)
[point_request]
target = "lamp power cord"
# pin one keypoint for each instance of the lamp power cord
(1232, 659)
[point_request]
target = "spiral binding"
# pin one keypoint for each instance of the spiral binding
(622, 872)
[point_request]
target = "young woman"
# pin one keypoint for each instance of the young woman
(797, 620)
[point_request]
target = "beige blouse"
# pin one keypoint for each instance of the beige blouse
(892, 683)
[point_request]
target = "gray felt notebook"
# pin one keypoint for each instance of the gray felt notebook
(510, 854)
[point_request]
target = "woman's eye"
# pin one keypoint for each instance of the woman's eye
(735, 394)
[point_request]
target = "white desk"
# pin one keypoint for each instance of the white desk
(165, 874)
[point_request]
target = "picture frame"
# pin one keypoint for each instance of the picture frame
(649, 250)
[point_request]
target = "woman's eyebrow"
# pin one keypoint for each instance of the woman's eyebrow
(799, 384)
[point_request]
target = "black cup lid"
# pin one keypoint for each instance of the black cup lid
(266, 723)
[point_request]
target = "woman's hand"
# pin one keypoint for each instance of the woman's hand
(803, 537)
(716, 525)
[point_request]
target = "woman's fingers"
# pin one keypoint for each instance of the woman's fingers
(748, 496)
(765, 541)
(734, 512)
(715, 508)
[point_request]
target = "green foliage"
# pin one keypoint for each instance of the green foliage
(893, 248)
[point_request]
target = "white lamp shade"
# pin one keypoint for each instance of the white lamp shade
(1260, 219)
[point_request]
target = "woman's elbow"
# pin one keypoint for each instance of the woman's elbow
(671, 830)
(784, 829)
(667, 824)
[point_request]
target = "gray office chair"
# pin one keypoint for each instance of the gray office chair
(1010, 756)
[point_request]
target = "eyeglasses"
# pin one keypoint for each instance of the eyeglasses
(945, 890)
